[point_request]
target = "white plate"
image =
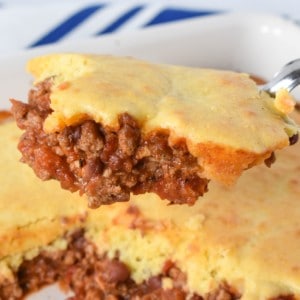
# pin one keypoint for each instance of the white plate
(258, 44)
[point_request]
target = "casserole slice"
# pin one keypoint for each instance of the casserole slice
(110, 126)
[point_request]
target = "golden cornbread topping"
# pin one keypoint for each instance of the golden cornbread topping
(198, 104)
(212, 110)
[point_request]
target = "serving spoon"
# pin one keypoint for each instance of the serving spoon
(287, 78)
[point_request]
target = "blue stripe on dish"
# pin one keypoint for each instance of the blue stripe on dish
(67, 26)
(121, 20)
(173, 14)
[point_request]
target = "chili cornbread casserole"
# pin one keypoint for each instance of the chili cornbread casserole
(238, 242)
(108, 126)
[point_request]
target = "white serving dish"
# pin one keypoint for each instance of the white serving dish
(258, 44)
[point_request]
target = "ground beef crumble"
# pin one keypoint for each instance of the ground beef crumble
(103, 163)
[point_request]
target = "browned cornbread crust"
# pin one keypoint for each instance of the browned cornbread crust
(103, 163)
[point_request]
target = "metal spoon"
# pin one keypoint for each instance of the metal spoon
(287, 78)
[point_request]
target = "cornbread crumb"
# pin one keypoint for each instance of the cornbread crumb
(167, 283)
(284, 101)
